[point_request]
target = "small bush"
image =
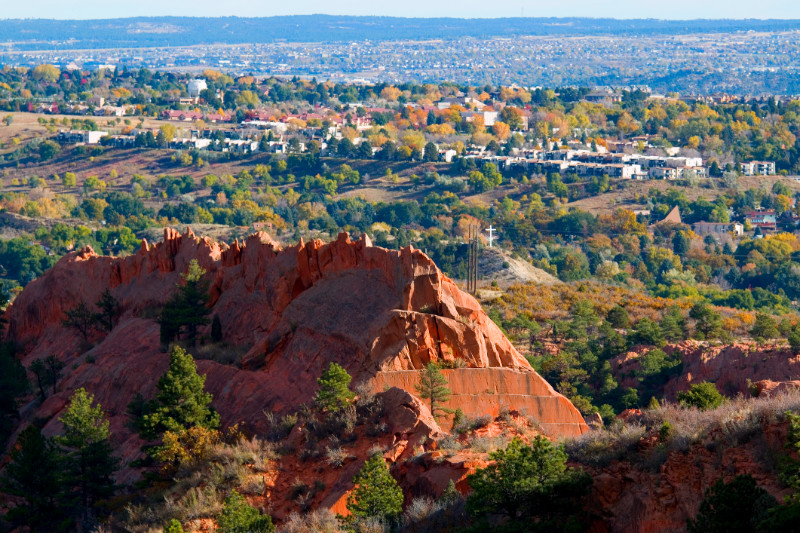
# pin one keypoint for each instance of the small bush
(471, 424)
(174, 526)
(317, 521)
(450, 443)
(665, 432)
(377, 429)
(599, 448)
(280, 429)
(455, 363)
(298, 488)
(335, 456)
(488, 444)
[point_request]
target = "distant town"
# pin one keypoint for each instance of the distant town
(744, 58)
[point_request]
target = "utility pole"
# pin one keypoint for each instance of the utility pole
(472, 260)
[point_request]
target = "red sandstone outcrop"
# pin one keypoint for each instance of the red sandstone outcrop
(379, 313)
(734, 368)
(632, 497)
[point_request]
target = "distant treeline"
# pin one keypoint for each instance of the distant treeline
(32, 34)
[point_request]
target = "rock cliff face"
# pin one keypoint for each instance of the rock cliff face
(378, 313)
(733, 367)
(635, 497)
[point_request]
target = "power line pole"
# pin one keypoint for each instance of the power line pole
(472, 260)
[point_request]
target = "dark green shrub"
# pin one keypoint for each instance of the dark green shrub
(238, 516)
(735, 507)
(703, 395)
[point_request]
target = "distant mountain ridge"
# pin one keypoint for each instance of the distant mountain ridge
(138, 32)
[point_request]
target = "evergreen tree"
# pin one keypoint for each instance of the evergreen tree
(187, 307)
(707, 321)
(431, 152)
(39, 370)
(431, 118)
(334, 389)
(216, 329)
(109, 310)
(376, 493)
(3, 303)
(764, 327)
(680, 243)
(89, 463)
(433, 387)
(181, 401)
(53, 368)
(735, 507)
(647, 332)
(618, 317)
(238, 516)
(34, 474)
(673, 324)
(526, 482)
(703, 395)
(82, 319)
(794, 339)
(13, 384)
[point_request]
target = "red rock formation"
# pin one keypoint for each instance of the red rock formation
(733, 367)
(376, 312)
(632, 497)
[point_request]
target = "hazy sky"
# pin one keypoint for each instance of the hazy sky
(673, 9)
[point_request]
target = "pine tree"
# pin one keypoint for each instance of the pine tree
(181, 401)
(34, 474)
(680, 243)
(673, 324)
(216, 329)
(238, 516)
(187, 307)
(377, 494)
(528, 481)
(765, 327)
(735, 507)
(53, 368)
(703, 395)
(794, 339)
(433, 387)
(13, 384)
(39, 370)
(82, 319)
(90, 465)
(334, 389)
(707, 321)
(109, 310)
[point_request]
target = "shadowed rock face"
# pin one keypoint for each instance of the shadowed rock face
(379, 313)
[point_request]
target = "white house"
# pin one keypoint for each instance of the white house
(758, 168)
(80, 136)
